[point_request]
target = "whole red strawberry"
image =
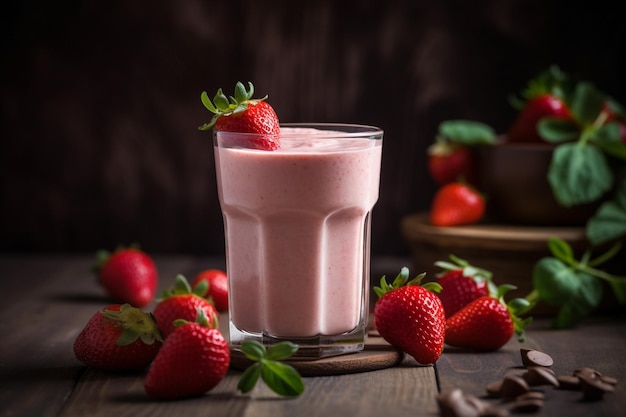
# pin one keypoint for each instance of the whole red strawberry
(243, 114)
(182, 302)
(524, 128)
(449, 162)
(410, 317)
(461, 283)
(129, 275)
(544, 96)
(456, 204)
(217, 289)
(486, 323)
(118, 338)
(192, 361)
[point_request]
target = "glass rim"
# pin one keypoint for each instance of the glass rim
(338, 130)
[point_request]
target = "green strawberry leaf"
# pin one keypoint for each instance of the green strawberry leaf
(608, 138)
(467, 132)
(561, 250)
(587, 103)
(249, 378)
(554, 281)
(222, 105)
(253, 350)
(578, 174)
(135, 324)
(607, 224)
(609, 221)
(400, 280)
(555, 130)
(586, 298)
(573, 286)
(281, 378)
(281, 351)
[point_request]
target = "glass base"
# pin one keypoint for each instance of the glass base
(309, 348)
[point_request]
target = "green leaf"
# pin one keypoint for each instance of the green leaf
(561, 249)
(579, 174)
(204, 97)
(281, 351)
(554, 281)
(241, 94)
(587, 297)
(586, 103)
(556, 130)
(221, 101)
(200, 288)
(281, 378)
(467, 132)
(608, 138)
(249, 378)
(253, 350)
(401, 278)
(607, 224)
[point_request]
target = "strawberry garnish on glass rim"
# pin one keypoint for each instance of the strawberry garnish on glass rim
(243, 114)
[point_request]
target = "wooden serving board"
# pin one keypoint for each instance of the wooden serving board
(378, 354)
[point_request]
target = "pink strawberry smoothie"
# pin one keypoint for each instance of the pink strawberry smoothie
(297, 232)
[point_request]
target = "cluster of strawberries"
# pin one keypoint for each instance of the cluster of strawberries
(463, 309)
(179, 341)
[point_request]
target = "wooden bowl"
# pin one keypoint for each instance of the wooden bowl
(513, 177)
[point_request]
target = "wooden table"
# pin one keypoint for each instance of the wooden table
(46, 300)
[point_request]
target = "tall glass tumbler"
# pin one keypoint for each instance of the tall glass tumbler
(297, 232)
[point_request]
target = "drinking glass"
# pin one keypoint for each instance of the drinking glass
(297, 233)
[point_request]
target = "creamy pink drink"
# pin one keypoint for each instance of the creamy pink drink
(297, 224)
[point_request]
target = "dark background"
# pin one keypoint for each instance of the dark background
(100, 99)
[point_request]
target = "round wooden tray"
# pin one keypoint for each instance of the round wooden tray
(378, 354)
(500, 237)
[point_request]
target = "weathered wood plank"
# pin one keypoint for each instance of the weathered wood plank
(408, 390)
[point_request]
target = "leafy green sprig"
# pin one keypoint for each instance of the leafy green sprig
(574, 286)
(280, 377)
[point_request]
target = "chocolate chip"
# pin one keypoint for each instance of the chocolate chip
(527, 406)
(539, 375)
(587, 372)
(593, 388)
(531, 395)
(595, 374)
(452, 403)
(494, 389)
(531, 357)
(608, 380)
(478, 404)
(513, 385)
(568, 382)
